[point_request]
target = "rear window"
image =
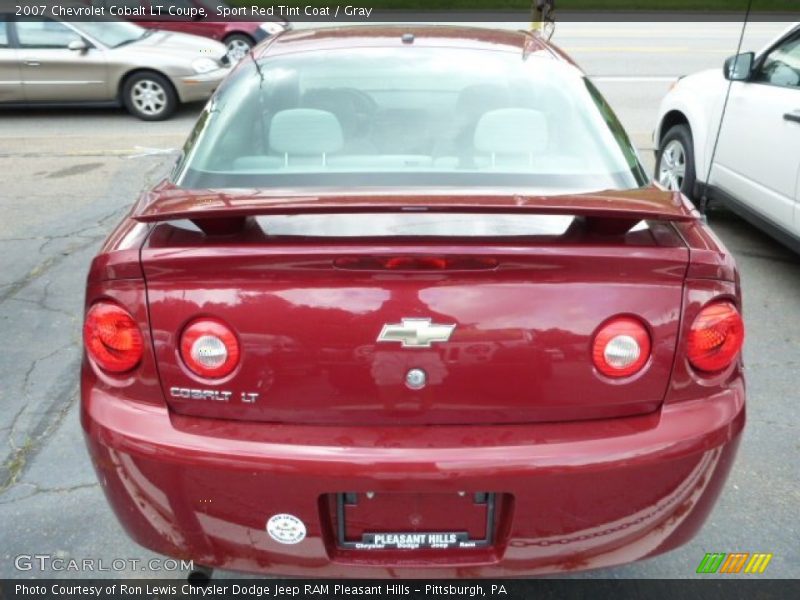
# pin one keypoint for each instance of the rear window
(410, 116)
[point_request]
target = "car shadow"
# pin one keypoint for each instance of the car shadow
(744, 238)
(92, 112)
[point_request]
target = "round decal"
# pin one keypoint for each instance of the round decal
(286, 529)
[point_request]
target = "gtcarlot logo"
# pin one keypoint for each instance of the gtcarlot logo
(735, 562)
(50, 562)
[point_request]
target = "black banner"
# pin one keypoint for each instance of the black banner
(499, 589)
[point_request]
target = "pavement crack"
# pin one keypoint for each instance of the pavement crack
(43, 267)
(44, 306)
(785, 424)
(36, 238)
(26, 381)
(37, 490)
(14, 465)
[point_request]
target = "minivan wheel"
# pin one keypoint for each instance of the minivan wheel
(675, 161)
(149, 96)
(238, 45)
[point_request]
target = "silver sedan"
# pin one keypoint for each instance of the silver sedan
(147, 71)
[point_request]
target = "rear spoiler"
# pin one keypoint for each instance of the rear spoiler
(218, 211)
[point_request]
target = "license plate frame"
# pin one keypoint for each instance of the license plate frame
(416, 540)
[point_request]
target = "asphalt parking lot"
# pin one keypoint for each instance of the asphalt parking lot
(69, 176)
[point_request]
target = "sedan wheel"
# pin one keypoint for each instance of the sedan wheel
(149, 96)
(672, 169)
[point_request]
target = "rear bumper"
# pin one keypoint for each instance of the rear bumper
(577, 495)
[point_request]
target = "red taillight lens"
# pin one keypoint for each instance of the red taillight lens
(715, 338)
(112, 338)
(621, 347)
(209, 348)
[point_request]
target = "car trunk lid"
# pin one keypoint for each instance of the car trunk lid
(338, 314)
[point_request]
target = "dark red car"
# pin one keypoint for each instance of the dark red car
(199, 17)
(408, 306)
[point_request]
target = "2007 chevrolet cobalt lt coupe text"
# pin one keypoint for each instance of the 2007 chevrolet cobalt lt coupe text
(408, 306)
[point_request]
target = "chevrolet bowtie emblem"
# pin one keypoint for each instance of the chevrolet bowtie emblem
(415, 333)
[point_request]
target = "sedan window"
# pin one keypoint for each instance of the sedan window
(44, 34)
(113, 33)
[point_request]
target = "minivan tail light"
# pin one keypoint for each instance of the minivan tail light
(715, 337)
(209, 348)
(621, 347)
(112, 338)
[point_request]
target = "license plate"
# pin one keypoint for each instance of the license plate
(415, 540)
(414, 521)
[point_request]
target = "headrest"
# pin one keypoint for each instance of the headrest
(305, 131)
(337, 101)
(478, 98)
(511, 131)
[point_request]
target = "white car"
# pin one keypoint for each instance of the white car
(756, 167)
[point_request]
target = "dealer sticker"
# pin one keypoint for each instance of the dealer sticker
(286, 529)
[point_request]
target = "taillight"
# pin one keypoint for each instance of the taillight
(112, 337)
(715, 338)
(621, 347)
(209, 348)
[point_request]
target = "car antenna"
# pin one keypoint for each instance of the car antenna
(704, 195)
(261, 104)
(543, 19)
